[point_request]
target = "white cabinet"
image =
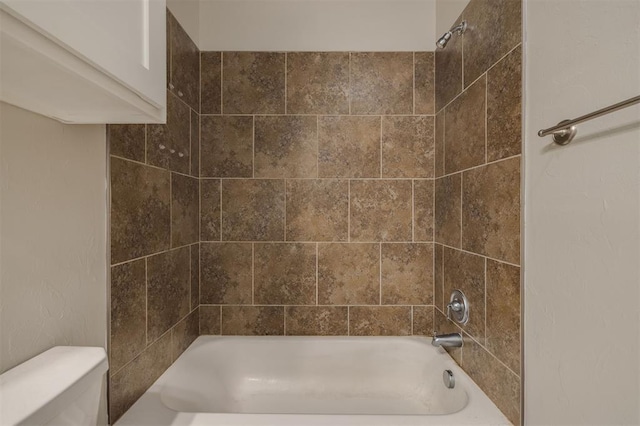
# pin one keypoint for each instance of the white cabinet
(85, 61)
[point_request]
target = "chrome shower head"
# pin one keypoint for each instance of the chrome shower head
(458, 29)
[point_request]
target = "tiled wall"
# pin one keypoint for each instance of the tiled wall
(317, 181)
(154, 234)
(477, 194)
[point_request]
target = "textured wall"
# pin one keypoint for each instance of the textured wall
(477, 194)
(582, 214)
(317, 193)
(53, 224)
(155, 233)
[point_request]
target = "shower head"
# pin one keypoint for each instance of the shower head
(458, 29)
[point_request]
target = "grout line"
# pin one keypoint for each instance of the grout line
(490, 353)
(404, 179)
(150, 255)
(315, 114)
(481, 255)
(151, 165)
(479, 166)
(323, 305)
(307, 242)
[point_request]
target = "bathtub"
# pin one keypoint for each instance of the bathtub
(280, 381)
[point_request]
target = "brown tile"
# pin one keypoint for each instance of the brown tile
(382, 83)
(381, 210)
(318, 83)
(439, 144)
(348, 147)
(495, 27)
(317, 210)
(316, 320)
(407, 274)
(504, 107)
(448, 210)
(195, 144)
(349, 274)
(286, 147)
(184, 333)
(422, 321)
(253, 320)
(127, 141)
(491, 210)
(184, 210)
(226, 144)
(175, 135)
(211, 82)
(168, 22)
(380, 320)
(128, 384)
(465, 272)
(425, 76)
(210, 209)
(253, 82)
(423, 208)
(185, 66)
(210, 319)
(195, 276)
(128, 313)
(253, 210)
(285, 274)
(168, 287)
(442, 325)
(448, 72)
(438, 277)
(503, 313)
(464, 133)
(226, 276)
(140, 210)
(407, 146)
(501, 385)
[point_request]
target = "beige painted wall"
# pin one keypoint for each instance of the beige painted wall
(316, 25)
(582, 216)
(447, 12)
(53, 219)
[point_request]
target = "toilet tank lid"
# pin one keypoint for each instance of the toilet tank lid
(34, 384)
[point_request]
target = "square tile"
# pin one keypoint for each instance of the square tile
(173, 136)
(504, 107)
(317, 210)
(227, 273)
(226, 144)
(465, 272)
(168, 290)
(210, 210)
(285, 274)
(381, 210)
(128, 313)
(127, 141)
(349, 274)
(380, 320)
(503, 313)
(210, 320)
(253, 82)
(423, 210)
(448, 72)
(448, 214)
(184, 333)
(423, 321)
(348, 147)
(195, 144)
(318, 83)
(407, 274)
(185, 66)
(253, 210)
(439, 144)
(438, 277)
(286, 147)
(464, 132)
(491, 210)
(253, 320)
(407, 146)
(425, 75)
(382, 83)
(184, 210)
(316, 320)
(195, 276)
(211, 82)
(140, 210)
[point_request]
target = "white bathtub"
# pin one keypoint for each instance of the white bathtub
(299, 381)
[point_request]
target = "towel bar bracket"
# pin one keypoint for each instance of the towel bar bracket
(566, 135)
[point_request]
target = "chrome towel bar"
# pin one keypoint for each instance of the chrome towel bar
(565, 131)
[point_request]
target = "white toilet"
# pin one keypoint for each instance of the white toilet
(62, 386)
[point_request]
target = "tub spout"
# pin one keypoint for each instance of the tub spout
(451, 340)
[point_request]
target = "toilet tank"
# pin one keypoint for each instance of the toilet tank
(62, 386)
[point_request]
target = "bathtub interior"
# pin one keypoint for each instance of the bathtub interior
(311, 375)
